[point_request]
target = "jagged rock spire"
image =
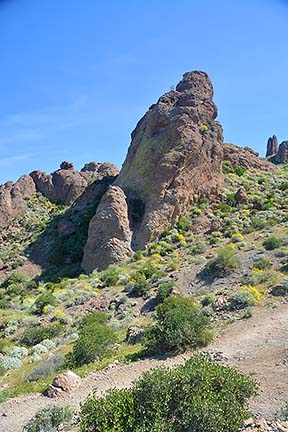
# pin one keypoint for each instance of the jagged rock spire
(272, 146)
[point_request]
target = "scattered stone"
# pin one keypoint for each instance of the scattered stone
(241, 196)
(134, 335)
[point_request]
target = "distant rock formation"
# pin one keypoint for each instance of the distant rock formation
(277, 155)
(64, 186)
(174, 158)
(272, 146)
(246, 158)
(282, 154)
(12, 198)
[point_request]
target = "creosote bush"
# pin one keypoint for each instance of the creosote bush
(95, 339)
(225, 263)
(179, 325)
(35, 335)
(272, 243)
(45, 299)
(199, 396)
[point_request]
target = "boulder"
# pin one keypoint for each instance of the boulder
(65, 382)
(241, 196)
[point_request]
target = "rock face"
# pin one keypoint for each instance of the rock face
(12, 198)
(277, 155)
(66, 382)
(63, 186)
(174, 158)
(272, 146)
(282, 154)
(246, 158)
(109, 235)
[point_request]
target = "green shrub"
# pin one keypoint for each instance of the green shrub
(282, 413)
(49, 419)
(45, 299)
(241, 299)
(140, 287)
(240, 171)
(179, 325)
(199, 396)
(110, 275)
(262, 264)
(94, 342)
(184, 224)
(272, 243)
(226, 167)
(113, 413)
(164, 291)
(208, 299)
(198, 248)
(225, 263)
(35, 335)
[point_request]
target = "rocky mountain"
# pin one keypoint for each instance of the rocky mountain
(173, 160)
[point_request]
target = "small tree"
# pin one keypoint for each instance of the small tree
(225, 263)
(94, 341)
(179, 325)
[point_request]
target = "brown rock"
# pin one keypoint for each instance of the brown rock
(174, 158)
(109, 236)
(246, 158)
(282, 155)
(241, 196)
(66, 185)
(67, 166)
(12, 198)
(65, 382)
(66, 228)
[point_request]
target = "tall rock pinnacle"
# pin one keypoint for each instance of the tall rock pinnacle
(272, 146)
(174, 159)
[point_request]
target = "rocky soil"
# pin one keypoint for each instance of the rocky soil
(257, 346)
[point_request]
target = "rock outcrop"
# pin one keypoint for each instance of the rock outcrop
(282, 154)
(174, 158)
(277, 154)
(109, 236)
(103, 176)
(63, 186)
(246, 158)
(12, 198)
(272, 146)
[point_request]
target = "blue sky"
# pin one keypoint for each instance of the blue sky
(76, 76)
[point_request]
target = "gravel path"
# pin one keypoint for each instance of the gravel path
(257, 346)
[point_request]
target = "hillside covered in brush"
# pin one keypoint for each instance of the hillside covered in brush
(184, 250)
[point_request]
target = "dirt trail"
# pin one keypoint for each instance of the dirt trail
(257, 346)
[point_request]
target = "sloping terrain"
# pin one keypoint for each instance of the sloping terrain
(258, 347)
